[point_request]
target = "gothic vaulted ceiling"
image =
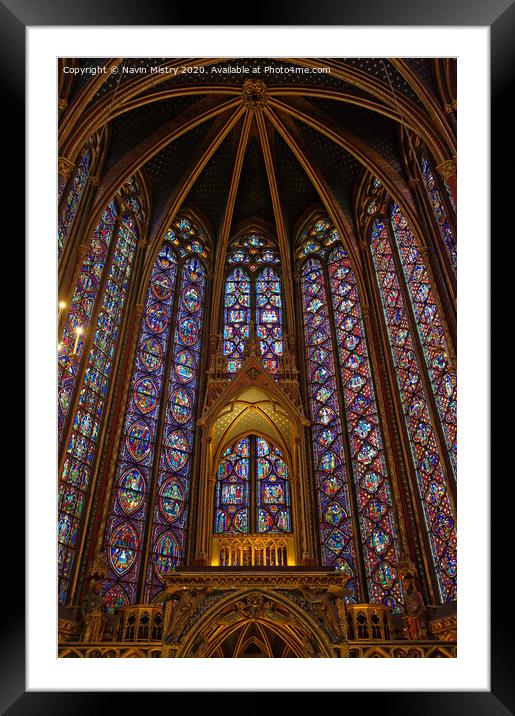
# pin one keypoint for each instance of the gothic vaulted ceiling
(268, 141)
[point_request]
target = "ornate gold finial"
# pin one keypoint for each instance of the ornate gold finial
(254, 93)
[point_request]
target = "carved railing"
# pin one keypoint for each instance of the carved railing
(369, 622)
(139, 623)
(252, 551)
(352, 650)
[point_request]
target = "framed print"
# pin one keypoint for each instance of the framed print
(254, 414)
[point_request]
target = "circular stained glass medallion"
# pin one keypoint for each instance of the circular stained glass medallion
(184, 366)
(161, 286)
(171, 499)
(181, 405)
(122, 548)
(196, 247)
(194, 270)
(188, 331)
(137, 440)
(191, 297)
(157, 318)
(145, 395)
(280, 468)
(176, 450)
(152, 354)
(115, 598)
(166, 554)
(131, 491)
(264, 467)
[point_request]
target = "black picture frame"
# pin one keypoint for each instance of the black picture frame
(499, 16)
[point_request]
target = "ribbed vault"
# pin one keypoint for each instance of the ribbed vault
(268, 143)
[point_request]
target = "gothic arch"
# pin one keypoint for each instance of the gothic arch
(278, 613)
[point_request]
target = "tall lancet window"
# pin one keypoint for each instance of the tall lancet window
(430, 328)
(439, 212)
(73, 198)
(354, 489)
(149, 505)
(253, 292)
(101, 295)
(236, 317)
(252, 493)
(408, 361)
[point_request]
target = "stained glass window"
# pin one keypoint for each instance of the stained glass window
(252, 493)
(253, 293)
(330, 298)
(73, 199)
(82, 441)
(169, 520)
(134, 470)
(379, 539)
(439, 212)
(430, 329)
(232, 489)
(269, 317)
(272, 489)
(236, 317)
(434, 496)
(81, 309)
(152, 489)
(331, 472)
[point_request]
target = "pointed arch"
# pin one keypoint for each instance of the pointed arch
(252, 491)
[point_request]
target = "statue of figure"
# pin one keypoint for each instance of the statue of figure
(92, 608)
(325, 609)
(414, 608)
(184, 607)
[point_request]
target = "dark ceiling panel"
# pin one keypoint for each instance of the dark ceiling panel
(382, 69)
(296, 192)
(339, 168)
(423, 67)
(272, 71)
(253, 197)
(209, 193)
(128, 69)
(374, 129)
(130, 129)
(167, 168)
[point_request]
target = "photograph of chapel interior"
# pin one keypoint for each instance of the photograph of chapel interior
(257, 357)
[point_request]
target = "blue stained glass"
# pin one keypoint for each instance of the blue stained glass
(82, 442)
(170, 513)
(330, 474)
